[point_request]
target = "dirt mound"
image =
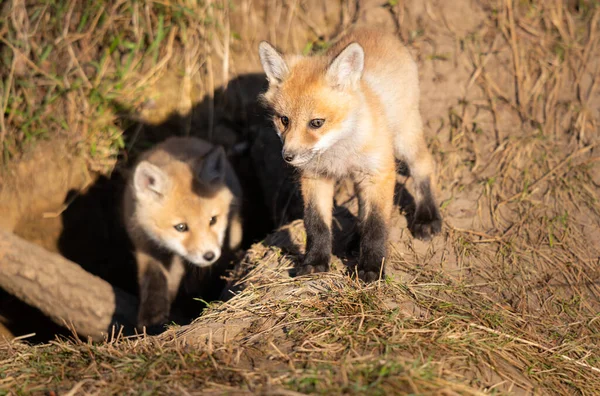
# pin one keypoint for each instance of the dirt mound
(323, 333)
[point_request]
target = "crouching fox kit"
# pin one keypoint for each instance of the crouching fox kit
(182, 215)
(350, 113)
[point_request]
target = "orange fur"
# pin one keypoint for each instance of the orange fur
(181, 181)
(350, 113)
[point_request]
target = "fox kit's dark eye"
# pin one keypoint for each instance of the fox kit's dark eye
(284, 120)
(213, 221)
(181, 227)
(316, 123)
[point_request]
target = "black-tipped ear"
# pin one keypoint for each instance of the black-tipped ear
(212, 168)
(149, 180)
(346, 69)
(272, 62)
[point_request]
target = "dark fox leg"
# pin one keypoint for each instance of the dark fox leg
(411, 147)
(427, 220)
(154, 305)
(318, 205)
(376, 198)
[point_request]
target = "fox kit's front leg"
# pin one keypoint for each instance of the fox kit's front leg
(154, 305)
(318, 205)
(158, 288)
(375, 198)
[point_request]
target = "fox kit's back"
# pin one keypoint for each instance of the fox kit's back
(181, 207)
(350, 113)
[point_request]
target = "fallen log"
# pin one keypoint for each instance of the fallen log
(62, 290)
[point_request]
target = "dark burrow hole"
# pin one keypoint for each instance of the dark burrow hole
(93, 235)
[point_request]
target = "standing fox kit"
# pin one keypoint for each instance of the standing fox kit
(181, 209)
(350, 113)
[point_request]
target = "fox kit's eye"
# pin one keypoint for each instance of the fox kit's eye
(213, 221)
(181, 227)
(316, 123)
(284, 120)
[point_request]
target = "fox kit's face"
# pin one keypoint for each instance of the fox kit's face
(312, 100)
(171, 211)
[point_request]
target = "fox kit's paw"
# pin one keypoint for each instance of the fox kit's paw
(312, 267)
(368, 276)
(427, 222)
(369, 269)
(366, 273)
(153, 314)
(153, 322)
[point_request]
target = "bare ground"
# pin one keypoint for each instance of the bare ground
(505, 300)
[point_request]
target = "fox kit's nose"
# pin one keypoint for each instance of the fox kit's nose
(208, 256)
(287, 156)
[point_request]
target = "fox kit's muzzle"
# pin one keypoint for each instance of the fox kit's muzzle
(288, 156)
(296, 158)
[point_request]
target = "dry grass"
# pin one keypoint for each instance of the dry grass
(73, 64)
(505, 301)
(320, 335)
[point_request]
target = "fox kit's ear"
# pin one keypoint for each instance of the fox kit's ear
(272, 62)
(346, 69)
(149, 180)
(212, 170)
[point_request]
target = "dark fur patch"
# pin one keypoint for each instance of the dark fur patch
(427, 219)
(373, 247)
(154, 300)
(318, 243)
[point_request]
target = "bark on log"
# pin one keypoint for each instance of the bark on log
(62, 290)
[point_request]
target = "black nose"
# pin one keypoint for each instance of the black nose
(288, 157)
(208, 256)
